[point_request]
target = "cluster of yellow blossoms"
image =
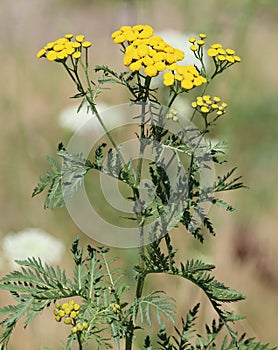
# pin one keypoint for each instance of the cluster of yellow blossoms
(186, 76)
(206, 104)
(69, 311)
(146, 50)
(197, 44)
(130, 34)
(116, 308)
(228, 55)
(172, 114)
(60, 49)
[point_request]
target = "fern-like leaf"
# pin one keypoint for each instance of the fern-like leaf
(161, 305)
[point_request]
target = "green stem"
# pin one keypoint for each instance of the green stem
(141, 275)
(80, 346)
(173, 99)
(69, 71)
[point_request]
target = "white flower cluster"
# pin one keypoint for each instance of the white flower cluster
(32, 242)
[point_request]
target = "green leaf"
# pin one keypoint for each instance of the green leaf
(63, 182)
(161, 305)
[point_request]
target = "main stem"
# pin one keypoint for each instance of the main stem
(141, 275)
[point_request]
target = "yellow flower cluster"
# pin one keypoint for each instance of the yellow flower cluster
(228, 55)
(79, 327)
(60, 49)
(197, 43)
(172, 114)
(69, 312)
(130, 34)
(207, 104)
(115, 308)
(146, 51)
(186, 77)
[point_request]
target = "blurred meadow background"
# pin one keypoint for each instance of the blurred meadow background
(34, 92)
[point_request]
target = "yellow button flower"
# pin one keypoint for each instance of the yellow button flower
(135, 66)
(41, 53)
(86, 44)
(193, 47)
(212, 52)
(79, 38)
(168, 79)
(76, 55)
(151, 71)
(187, 84)
(51, 55)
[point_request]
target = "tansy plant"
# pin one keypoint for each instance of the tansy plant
(99, 305)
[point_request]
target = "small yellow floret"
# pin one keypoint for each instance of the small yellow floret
(75, 44)
(221, 58)
(86, 44)
(73, 314)
(192, 39)
(160, 66)
(70, 51)
(212, 52)
(230, 59)
(61, 41)
(76, 307)
(204, 109)
(58, 47)
(50, 45)
(79, 38)
(61, 313)
(168, 79)
(85, 325)
(230, 51)
(69, 36)
(193, 47)
(151, 71)
(51, 55)
(194, 104)
(216, 46)
(62, 55)
(135, 66)
(67, 320)
(74, 330)
(76, 55)
(187, 84)
(41, 53)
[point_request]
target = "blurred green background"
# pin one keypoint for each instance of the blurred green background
(33, 93)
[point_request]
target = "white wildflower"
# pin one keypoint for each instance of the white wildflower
(32, 242)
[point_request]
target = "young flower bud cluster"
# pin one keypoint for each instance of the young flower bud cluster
(67, 312)
(79, 327)
(62, 48)
(172, 114)
(207, 104)
(115, 308)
